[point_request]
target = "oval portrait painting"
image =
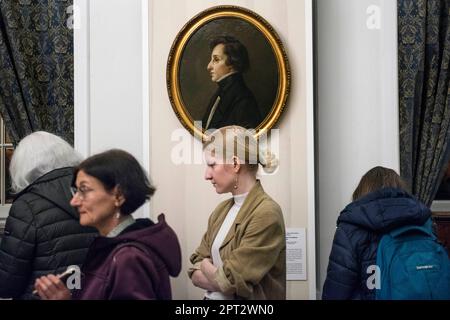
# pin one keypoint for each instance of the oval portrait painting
(227, 66)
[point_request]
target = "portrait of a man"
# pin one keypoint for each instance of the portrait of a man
(233, 103)
(227, 66)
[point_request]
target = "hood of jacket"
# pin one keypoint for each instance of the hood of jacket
(384, 210)
(159, 238)
(54, 186)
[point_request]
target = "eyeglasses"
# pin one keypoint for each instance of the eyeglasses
(81, 191)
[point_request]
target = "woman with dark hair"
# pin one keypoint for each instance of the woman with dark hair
(380, 205)
(132, 259)
(42, 233)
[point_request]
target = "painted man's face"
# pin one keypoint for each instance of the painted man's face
(217, 67)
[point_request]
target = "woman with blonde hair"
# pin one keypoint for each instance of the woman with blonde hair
(380, 205)
(242, 255)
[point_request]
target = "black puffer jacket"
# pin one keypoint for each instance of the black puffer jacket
(42, 235)
(359, 229)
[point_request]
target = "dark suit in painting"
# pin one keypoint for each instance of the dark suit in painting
(237, 105)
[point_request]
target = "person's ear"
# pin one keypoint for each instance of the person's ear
(120, 199)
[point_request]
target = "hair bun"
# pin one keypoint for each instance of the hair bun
(268, 161)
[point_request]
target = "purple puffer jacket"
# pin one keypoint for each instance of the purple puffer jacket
(134, 265)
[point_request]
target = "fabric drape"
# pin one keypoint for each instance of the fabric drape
(36, 67)
(424, 93)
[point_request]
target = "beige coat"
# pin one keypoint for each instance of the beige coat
(254, 250)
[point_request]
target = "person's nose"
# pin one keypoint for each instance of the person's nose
(208, 175)
(75, 201)
(209, 67)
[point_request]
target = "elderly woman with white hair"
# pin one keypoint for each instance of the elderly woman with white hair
(42, 232)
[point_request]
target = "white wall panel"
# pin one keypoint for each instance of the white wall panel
(357, 104)
(111, 69)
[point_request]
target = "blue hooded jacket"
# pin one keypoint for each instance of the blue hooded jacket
(359, 229)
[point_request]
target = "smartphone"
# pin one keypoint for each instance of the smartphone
(63, 276)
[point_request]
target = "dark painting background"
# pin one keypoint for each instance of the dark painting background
(195, 83)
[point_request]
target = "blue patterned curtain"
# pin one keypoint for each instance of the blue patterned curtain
(36, 67)
(424, 55)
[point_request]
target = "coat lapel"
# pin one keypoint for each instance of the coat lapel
(251, 202)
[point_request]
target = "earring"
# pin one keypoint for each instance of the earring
(235, 182)
(118, 214)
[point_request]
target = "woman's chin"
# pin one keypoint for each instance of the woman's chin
(85, 222)
(221, 191)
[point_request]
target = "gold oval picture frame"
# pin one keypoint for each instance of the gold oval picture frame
(191, 86)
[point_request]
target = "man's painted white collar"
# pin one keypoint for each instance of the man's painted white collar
(226, 75)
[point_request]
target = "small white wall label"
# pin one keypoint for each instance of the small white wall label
(296, 254)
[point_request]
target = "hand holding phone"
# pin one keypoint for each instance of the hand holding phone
(63, 276)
